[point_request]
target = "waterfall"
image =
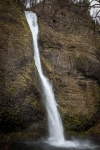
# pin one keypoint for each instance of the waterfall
(55, 127)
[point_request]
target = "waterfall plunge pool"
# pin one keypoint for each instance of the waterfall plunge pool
(69, 145)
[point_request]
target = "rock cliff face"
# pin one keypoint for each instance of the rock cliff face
(70, 59)
(20, 104)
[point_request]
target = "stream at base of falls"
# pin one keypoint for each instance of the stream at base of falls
(41, 145)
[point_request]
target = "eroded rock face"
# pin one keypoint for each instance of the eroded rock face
(69, 57)
(20, 104)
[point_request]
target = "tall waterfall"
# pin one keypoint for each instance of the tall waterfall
(55, 127)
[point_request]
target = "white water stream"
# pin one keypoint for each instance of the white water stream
(55, 127)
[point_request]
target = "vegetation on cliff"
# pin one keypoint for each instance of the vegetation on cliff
(20, 105)
(70, 54)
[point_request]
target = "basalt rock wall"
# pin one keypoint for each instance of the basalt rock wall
(70, 56)
(20, 100)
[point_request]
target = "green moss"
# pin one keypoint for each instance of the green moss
(72, 123)
(76, 134)
(41, 27)
(23, 21)
(20, 98)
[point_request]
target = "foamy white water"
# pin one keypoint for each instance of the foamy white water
(28, 3)
(55, 128)
(95, 10)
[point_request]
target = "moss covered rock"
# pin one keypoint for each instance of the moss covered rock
(69, 57)
(71, 60)
(20, 104)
